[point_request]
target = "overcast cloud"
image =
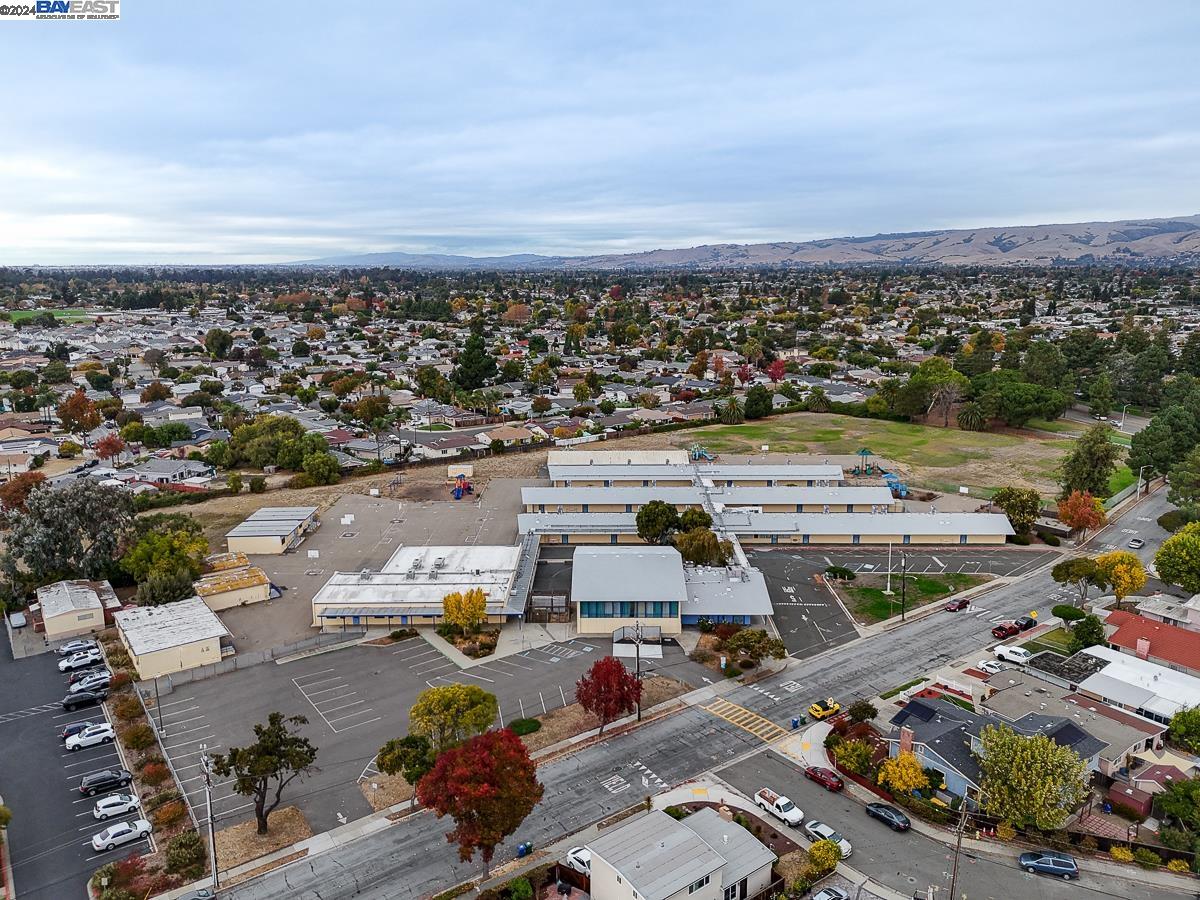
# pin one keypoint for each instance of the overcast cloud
(257, 131)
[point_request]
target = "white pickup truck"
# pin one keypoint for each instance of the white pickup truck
(779, 806)
(1012, 654)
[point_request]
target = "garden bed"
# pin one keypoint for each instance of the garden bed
(572, 719)
(392, 789)
(867, 603)
(241, 843)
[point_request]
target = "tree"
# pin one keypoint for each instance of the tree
(1030, 781)
(217, 342)
(15, 492)
(944, 396)
(1081, 510)
(1021, 505)
(657, 521)
(1100, 395)
(540, 405)
(861, 711)
(1080, 572)
(731, 411)
(155, 391)
(1178, 559)
(817, 400)
(971, 417)
(410, 756)
(234, 482)
(278, 756)
(70, 532)
(164, 547)
(110, 446)
(78, 414)
(301, 348)
(1179, 803)
(854, 755)
(1087, 632)
(758, 402)
(165, 585)
(754, 644)
(608, 690)
(693, 517)
(1184, 490)
(1123, 571)
(979, 356)
(449, 714)
(1185, 730)
(776, 370)
(323, 468)
(1044, 365)
(476, 367)
(488, 787)
(903, 774)
(1091, 463)
(465, 609)
(823, 856)
(701, 547)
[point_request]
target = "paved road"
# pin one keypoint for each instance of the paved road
(1132, 424)
(911, 861)
(1141, 522)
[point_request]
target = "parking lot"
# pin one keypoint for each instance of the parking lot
(356, 699)
(49, 838)
(811, 621)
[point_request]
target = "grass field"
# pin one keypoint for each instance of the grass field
(64, 315)
(868, 603)
(1058, 640)
(1121, 479)
(1058, 426)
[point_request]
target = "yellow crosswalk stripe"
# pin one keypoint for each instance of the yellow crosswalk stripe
(763, 729)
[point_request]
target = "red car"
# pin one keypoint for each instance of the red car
(1006, 630)
(827, 778)
(959, 604)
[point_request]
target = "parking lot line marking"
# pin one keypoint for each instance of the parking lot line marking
(469, 675)
(336, 687)
(311, 674)
(179, 712)
(175, 702)
(335, 699)
(509, 662)
(495, 671)
(561, 694)
(426, 651)
(192, 753)
(304, 687)
(445, 665)
(356, 724)
(185, 743)
(183, 731)
(345, 706)
(184, 721)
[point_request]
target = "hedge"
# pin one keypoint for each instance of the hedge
(524, 726)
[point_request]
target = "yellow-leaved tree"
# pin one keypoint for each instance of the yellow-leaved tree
(1123, 570)
(902, 774)
(449, 714)
(466, 609)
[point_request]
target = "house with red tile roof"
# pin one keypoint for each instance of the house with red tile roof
(1158, 642)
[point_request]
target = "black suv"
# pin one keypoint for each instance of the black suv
(75, 728)
(83, 698)
(108, 780)
(1026, 622)
(889, 816)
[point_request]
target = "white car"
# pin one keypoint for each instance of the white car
(81, 660)
(70, 648)
(91, 682)
(92, 736)
(991, 666)
(579, 859)
(819, 831)
(1012, 653)
(114, 805)
(121, 833)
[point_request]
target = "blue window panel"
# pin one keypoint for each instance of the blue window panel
(855, 538)
(563, 539)
(585, 507)
(849, 507)
(908, 539)
(799, 507)
(612, 538)
(628, 507)
(804, 539)
(962, 538)
(774, 539)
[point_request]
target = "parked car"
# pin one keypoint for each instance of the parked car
(91, 737)
(121, 833)
(91, 682)
(1026, 622)
(1013, 653)
(1048, 862)
(1136, 543)
(107, 780)
(819, 831)
(831, 893)
(198, 894)
(579, 859)
(84, 698)
(779, 806)
(990, 666)
(70, 648)
(827, 778)
(81, 660)
(1006, 630)
(114, 805)
(823, 709)
(957, 605)
(889, 816)
(74, 728)
(76, 677)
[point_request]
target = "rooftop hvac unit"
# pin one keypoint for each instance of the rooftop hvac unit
(364, 575)
(410, 575)
(433, 574)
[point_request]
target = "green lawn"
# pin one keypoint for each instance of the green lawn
(1121, 479)
(866, 600)
(1058, 640)
(1058, 426)
(66, 315)
(436, 426)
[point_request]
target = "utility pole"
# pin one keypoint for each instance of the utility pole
(962, 825)
(903, 584)
(158, 706)
(206, 764)
(887, 591)
(637, 644)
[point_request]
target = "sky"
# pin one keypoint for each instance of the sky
(260, 131)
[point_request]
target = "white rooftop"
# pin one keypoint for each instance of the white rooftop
(627, 573)
(1141, 684)
(68, 596)
(151, 628)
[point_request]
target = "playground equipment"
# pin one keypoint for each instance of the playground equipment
(462, 487)
(898, 487)
(864, 467)
(699, 452)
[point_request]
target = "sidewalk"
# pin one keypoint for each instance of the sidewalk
(808, 747)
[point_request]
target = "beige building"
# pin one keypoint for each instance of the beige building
(272, 529)
(173, 637)
(233, 587)
(68, 609)
(615, 588)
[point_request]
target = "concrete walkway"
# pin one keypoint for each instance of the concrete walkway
(807, 747)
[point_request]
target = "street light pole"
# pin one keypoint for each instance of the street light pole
(887, 591)
(206, 765)
(962, 825)
(1139, 481)
(903, 584)
(1122, 425)
(637, 644)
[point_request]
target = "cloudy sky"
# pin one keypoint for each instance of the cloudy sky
(259, 131)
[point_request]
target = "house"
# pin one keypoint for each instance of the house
(14, 464)
(507, 435)
(67, 609)
(1165, 608)
(700, 857)
(1123, 680)
(173, 637)
(1168, 645)
(171, 471)
(272, 529)
(440, 446)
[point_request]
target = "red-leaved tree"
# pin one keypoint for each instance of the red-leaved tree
(1081, 510)
(608, 690)
(744, 373)
(488, 786)
(776, 370)
(110, 446)
(78, 414)
(15, 491)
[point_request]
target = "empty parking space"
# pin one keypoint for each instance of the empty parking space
(336, 700)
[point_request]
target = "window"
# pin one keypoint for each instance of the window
(731, 892)
(962, 538)
(85, 617)
(697, 885)
(855, 538)
(908, 539)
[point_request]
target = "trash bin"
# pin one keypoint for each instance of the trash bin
(521, 851)
(795, 722)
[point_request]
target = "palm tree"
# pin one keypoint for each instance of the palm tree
(971, 417)
(818, 400)
(731, 412)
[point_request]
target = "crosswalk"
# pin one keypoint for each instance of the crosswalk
(763, 729)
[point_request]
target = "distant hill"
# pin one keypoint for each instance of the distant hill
(1136, 240)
